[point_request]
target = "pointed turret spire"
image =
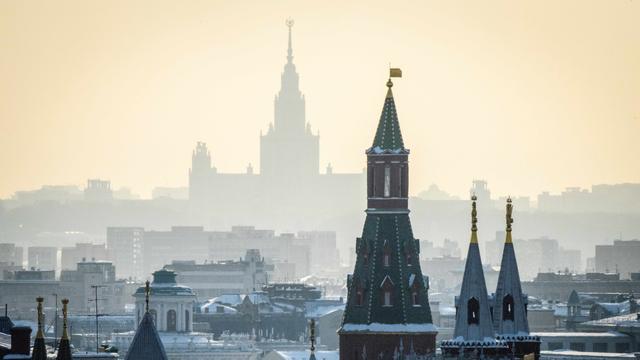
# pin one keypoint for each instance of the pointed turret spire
(509, 310)
(39, 349)
(388, 138)
(64, 349)
(473, 317)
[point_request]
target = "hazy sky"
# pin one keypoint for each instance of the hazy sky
(529, 95)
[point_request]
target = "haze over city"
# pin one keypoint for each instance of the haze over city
(531, 96)
(211, 180)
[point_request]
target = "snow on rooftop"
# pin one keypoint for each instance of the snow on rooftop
(391, 328)
(580, 334)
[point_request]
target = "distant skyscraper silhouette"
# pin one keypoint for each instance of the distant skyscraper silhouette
(289, 192)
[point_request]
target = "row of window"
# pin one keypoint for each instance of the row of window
(387, 298)
(171, 319)
(386, 259)
(473, 309)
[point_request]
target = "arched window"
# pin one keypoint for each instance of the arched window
(186, 320)
(171, 320)
(365, 257)
(386, 259)
(507, 307)
(473, 311)
(415, 297)
(409, 259)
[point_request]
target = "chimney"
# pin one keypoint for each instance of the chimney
(20, 340)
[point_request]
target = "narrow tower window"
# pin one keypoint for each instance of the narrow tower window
(473, 311)
(387, 181)
(507, 307)
(359, 296)
(387, 298)
(415, 299)
(386, 260)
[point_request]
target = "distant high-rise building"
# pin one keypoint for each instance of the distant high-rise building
(71, 256)
(387, 309)
(289, 178)
(42, 257)
(621, 257)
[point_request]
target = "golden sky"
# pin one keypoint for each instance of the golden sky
(529, 95)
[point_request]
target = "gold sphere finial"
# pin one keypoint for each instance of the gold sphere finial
(389, 84)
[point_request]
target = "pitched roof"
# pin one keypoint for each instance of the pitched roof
(509, 285)
(370, 272)
(64, 350)
(146, 343)
(388, 136)
(39, 350)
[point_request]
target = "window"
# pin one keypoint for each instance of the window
(600, 347)
(409, 260)
(473, 311)
(415, 299)
(555, 346)
(507, 307)
(186, 320)
(387, 298)
(576, 346)
(622, 347)
(365, 257)
(386, 260)
(171, 320)
(387, 181)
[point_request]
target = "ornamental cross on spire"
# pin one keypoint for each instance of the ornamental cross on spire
(147, 292)
(312, 335)
(65, 303)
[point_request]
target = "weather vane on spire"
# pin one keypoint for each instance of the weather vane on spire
(393, 72)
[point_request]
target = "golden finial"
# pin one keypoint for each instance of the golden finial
(65, 302)
(474, 220)
(509, 218)
(312, 335)
(40, 334)
(147, 293)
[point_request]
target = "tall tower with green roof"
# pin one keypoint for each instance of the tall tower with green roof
(387, 302)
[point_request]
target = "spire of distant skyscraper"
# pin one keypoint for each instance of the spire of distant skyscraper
(290, 23)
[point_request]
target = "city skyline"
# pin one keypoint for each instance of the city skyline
(547, 107)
